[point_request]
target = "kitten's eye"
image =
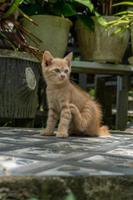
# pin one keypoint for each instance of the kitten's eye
(66, 71)
(57, 70)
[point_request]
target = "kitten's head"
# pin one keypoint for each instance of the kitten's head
(56, 70)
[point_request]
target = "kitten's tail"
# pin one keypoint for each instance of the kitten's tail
(104, 131)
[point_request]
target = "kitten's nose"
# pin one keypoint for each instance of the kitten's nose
(62, 76)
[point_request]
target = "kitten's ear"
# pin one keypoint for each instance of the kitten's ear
(68, 58)
(47, 58)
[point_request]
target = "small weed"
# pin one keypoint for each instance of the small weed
(33, 198)
(70, 196)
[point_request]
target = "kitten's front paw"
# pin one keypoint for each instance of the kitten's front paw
(73, 108)
(46, 132)
(61, 134)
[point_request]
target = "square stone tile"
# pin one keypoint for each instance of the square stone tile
(71, 170)
(124, 152)
(25, 152)
(9, 165)
(106, 162)
(19, 140)
(37, 153)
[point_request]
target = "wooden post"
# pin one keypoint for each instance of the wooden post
(83, 80)
(103, 94)
(122, 102)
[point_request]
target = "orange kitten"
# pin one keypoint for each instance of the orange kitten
(69, 104)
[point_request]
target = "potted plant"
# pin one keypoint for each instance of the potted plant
(52, 17)
(125, 20)
(19, 75)
(98, 43)
(52, 27)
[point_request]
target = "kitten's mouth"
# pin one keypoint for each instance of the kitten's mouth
(62, 78)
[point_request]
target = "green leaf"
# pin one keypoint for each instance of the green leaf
(87, 21)
(86, 3)
(101, 20)
(70, 197)
(118, 30)
(33, 198)
(63, 9)
(27, 17)
(14, 6)
(92, 92)
(121, 29)
(124, 3)
(68, 10)
(127, 12)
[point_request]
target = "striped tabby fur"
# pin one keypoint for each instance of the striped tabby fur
(74, 108)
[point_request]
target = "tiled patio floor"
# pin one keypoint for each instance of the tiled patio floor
(25, 152)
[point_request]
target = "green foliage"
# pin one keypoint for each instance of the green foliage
(68, 10)
(87, 21)
(14, 6)
(86, 3)
(64, 8)
(12, 33)
(33, 198)
(92, 92)
(81, 9)
(70, 196)
(125, 18)
(128, 3)
(130, 93)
